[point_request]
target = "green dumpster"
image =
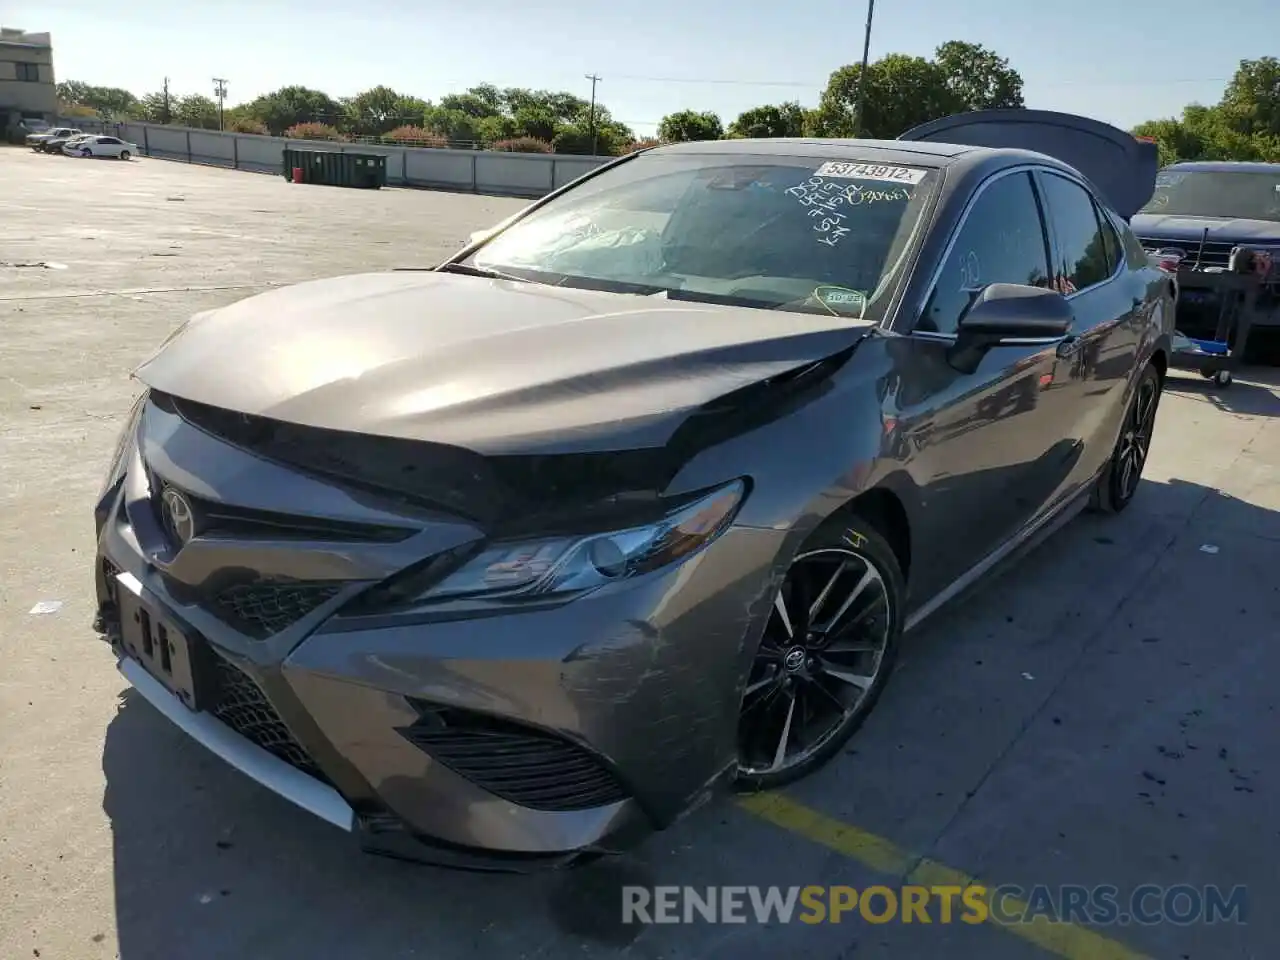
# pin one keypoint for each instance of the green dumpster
(334, 168)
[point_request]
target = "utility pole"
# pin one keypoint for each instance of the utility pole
(220, 91)
(166, 115)
(592, 121)
(862, 77)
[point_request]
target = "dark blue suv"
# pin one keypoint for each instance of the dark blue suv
(1204, 210)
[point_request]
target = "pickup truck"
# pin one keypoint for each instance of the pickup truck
(1202, 213)
(34, 140)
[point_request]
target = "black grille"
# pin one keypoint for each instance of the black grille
(243, 707)
(525, 766)
(264, 608)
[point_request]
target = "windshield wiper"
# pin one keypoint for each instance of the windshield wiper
(469, 270)
(724, 299)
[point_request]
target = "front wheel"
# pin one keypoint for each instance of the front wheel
(826, 654)
(124, 154)
(1120, 479)
(86, 152)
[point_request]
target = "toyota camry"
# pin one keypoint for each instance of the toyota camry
(510, 561)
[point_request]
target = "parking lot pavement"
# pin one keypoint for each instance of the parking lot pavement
(1102, 713)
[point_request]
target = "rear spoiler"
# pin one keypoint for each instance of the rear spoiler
(1123, 167)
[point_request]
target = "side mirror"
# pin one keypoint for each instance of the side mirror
(1004, 312)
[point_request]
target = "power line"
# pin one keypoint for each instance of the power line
(713, 80)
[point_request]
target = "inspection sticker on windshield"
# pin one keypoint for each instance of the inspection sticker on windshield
(869, 171)
(842, 300)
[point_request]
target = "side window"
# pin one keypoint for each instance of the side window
(1082, 251)
(1002, 240)
(1135, 255)
(1110, 242)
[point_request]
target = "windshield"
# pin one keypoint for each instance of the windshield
(777, 232)
(1204, 193)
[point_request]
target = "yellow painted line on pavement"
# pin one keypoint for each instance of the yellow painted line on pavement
(1066, 940)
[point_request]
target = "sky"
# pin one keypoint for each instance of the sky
(1116, 61)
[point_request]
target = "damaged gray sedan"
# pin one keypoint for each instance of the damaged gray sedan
(509, 562)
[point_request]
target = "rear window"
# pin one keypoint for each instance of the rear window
(777, 232)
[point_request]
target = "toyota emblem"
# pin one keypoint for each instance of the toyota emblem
(794, 658)
(179, 515)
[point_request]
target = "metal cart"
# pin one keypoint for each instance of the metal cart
(1234, 291)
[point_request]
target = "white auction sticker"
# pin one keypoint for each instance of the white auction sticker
(869, 171)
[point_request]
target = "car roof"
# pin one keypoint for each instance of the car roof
(887, 151)
(1225, 166)
(923, 153)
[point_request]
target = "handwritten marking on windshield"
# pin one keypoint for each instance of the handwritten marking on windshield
(870, 171)
(825, 198)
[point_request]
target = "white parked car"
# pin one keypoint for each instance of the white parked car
(98, 146)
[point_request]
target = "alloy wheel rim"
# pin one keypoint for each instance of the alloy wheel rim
(821, 654)
(1135, 440)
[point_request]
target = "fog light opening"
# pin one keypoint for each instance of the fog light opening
(607, 557)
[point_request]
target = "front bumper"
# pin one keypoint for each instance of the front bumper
(507, 741)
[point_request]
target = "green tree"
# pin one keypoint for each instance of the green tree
(690, 125)
(471, 104)
(1251, 102)
(1208, 133)
(781, 120)
(611, 138)
(903, 91)
(153, 108)
(978, 77)
(379, 110)
(487, 94)
(195, 110)
(459, 128)
(113, 103)
(497, 127)
(561, 105)
(537, 121)
(289, 106)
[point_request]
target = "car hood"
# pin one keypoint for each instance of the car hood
(494, 366)
(1191, 229)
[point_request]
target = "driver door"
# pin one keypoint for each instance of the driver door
(981, 443)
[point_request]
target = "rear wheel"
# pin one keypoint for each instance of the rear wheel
(825, 656)
(1119, 481)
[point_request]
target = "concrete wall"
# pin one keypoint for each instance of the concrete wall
(479, 171)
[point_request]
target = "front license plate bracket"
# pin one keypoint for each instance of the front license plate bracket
(163, 649)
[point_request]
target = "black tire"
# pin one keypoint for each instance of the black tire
(124, 155)
(852, 546)
(1117, 485)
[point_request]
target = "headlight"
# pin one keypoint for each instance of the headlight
(119, 463)
(551, 565)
